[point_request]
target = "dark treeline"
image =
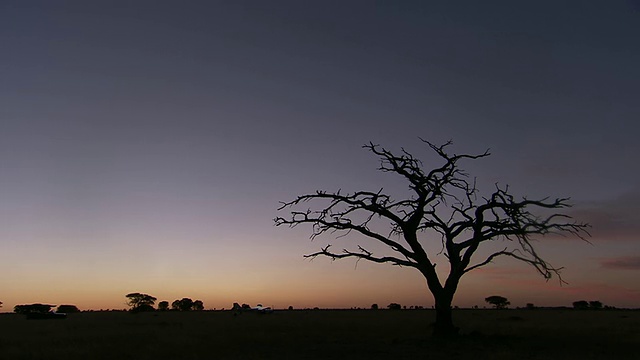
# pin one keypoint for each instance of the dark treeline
(140, 302)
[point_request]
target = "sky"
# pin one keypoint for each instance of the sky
(145, 146)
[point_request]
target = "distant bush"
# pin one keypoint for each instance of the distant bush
(198, 305)
(32, 309)
(142, 308)
(394, 306)
(581, 304)
(592, 305)
(374, 306)
(68, 309)
(596, 305)
(163, 305)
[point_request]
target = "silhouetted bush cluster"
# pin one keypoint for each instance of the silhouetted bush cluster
(394, 306)
(587, 305)
(186, 304)
(143, 302)
(38, 311)
(68, 309)
(32, 309)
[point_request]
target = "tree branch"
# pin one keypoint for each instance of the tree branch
(363, 254)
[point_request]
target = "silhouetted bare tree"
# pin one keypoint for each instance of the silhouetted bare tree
(444, 208)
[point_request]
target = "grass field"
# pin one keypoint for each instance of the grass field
(323, 334)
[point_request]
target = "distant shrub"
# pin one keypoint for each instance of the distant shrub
(374, 306)
(198, 305)
(68, 309)
(596, 305)
(32, 309)
(163, 305)
(184, 304)
(394, 306)
(142, 308)
(581, 304)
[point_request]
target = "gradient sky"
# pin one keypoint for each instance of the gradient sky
(145, 145)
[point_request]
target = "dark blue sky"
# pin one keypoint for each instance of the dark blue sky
(157, 137)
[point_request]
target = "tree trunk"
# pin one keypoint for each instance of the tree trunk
(444, 327)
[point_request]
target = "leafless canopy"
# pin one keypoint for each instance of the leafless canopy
(443, 201)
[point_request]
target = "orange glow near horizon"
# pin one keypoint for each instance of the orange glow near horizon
(321, 284)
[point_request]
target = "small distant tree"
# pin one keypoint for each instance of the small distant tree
(246, 307)
(581, 304)
(497, 301)
(394, 306)
(374, 307)
(68, 309)
(290, 307)
(163, 305)
(140, 302)
(198, 305)
(530, 306)
(596, 305)
(185, 304)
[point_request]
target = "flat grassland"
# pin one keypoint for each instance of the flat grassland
(324, 334)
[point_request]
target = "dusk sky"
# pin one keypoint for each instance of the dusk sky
(145, 145)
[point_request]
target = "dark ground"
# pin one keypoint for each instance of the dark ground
(324, 334)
